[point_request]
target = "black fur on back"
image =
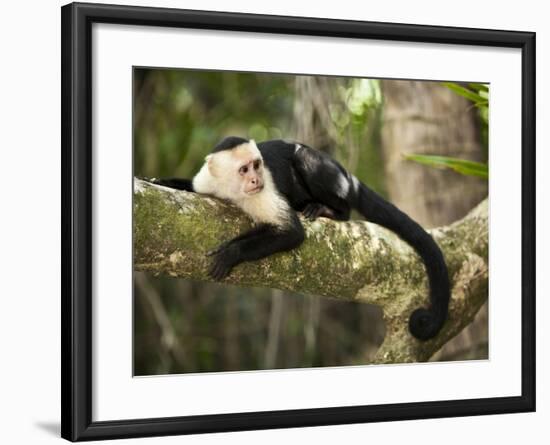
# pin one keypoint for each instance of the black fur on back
(228, 143)
(308, 177)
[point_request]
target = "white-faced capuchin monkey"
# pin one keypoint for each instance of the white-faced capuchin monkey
(273, 180)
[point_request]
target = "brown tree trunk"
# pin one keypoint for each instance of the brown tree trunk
(428, 118)
(315, 97)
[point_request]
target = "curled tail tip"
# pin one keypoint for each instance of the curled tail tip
(425, 324)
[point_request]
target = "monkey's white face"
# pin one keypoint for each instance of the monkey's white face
(252, 176)
(239, 175)
(239, 172)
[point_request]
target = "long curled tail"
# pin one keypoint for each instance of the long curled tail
(424, 323)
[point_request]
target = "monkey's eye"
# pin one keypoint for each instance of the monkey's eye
(243, 170)
(257, 164)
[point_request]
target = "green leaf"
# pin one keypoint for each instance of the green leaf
(462, 166)
(465, 92)
(479, 87)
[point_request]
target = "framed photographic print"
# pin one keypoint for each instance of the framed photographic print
(282, 221)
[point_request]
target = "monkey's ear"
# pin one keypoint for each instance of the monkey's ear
(211, 165)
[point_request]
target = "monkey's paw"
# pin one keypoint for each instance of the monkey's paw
(313, 210)
(222, 262)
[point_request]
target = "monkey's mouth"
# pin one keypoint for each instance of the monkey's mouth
(255, 190)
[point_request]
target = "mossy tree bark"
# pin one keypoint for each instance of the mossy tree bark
(355, 261)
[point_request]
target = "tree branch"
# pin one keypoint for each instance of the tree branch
(355, 261)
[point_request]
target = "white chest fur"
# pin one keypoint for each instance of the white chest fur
(267, 206)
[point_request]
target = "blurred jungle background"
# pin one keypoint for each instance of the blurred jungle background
(423, 145)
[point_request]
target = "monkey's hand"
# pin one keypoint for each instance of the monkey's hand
(223, 261)
(314, 209)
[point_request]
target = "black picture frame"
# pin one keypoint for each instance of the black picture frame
(76, 248)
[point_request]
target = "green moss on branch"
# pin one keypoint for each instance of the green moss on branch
(354, 261)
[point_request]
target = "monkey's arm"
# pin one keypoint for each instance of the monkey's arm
(175, 183)
(260, 242)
